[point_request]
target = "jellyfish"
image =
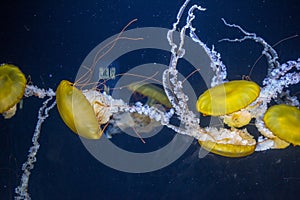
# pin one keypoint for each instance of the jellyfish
(229, 100)
(140, 123)
(152, 92)
(12, 87)
(100, 108)
(155, 97)
(283, 120)
(85, 111)
(76, 111)
(236, 150)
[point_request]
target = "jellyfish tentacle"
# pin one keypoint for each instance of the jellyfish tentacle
(32, 90)
(172, 86)
(22, 190)
(268, 51)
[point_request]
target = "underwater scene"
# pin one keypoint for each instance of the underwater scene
(133, 99)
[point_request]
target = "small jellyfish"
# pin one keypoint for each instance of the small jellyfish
(152, 92)
(12, 87)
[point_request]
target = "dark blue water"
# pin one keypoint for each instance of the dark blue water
(49, 40)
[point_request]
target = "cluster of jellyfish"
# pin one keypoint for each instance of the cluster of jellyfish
(236, 103)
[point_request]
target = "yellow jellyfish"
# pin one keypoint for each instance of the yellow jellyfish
(234, 143)
(76, 111)
(12, 87)
(155, 94)
(228, 150)
(283, 121)
(152, 92)
(227, 98)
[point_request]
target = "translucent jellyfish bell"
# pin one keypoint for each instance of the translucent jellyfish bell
(151, 91)
(283, 121)
(227, 98)
(12, 86)
(76, 111)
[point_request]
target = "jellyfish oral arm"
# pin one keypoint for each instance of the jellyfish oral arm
(21, 190)
(172, 86)
(32, 90)
(218, 67)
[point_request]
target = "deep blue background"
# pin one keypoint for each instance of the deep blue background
(48, 40)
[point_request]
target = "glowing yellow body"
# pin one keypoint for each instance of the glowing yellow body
(76, 111)
(228, 150)
(232, 143)
(284, 122)
(152, 92)
(12, 86)
(227, 98)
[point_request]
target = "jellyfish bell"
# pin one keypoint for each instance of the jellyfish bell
(152, 92)
(227, 98)
(269, 141)
(232, 143)
(283, 121)
(76, 111)
(12, 87)
(228, 150)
